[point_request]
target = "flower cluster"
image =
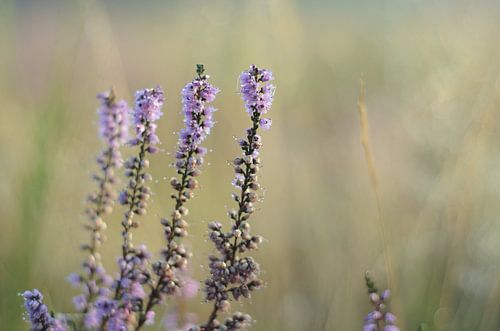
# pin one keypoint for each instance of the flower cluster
(198, 121)
(380, 318)
(113, 124)
(257, 93)
(232, 275)
(148, 104)
(38, 313)
(127, 301)
(113, 128)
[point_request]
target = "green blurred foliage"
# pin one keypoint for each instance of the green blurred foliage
(432, 74)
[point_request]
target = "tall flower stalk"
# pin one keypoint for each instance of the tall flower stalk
(198, 122)
(148, 104)
(118, 313)
(113, 129)
(233, 275)
(380, 318)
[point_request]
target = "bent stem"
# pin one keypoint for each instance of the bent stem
(370, 162)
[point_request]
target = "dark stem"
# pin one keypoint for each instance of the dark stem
(243, 199)
(98, 212)
(126, 228)
(156, 291)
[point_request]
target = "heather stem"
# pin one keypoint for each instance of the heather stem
(133, 263)
(198, 122)
(244, 192)
(127, 222)
(113, 122)
(93, 242)
(243, 199)
(233, 275)
(156, 289)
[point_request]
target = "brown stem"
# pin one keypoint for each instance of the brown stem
(243, 199)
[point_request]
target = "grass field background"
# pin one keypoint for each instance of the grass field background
(433, 105)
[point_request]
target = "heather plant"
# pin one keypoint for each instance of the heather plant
(380, 318)
(231, 274)
(198, 121)
(127, 300)
(113, 126)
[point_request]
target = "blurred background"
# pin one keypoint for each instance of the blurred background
(433, 96)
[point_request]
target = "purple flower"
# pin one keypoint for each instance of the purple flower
(38, 313)
(148, 104)
(120, 320)
(111, 314)
(390, 318)
(113, 119)
(265, 123)
(75, 279)
(59, 326)
(232, 275)
(136, 291)
(150, 318)
(80, 302)
(190, 288)
(173, 321)
(256, 91)
(134, 273)
(198, 121)
(103, 309)
(379, 315)
(92, 319)
(370, 327)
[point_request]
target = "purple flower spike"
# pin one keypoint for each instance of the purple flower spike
(113, 119)
(256, 91)
(234, 276)
(148, 104)
(113, 129)
(38, 313)
(380, 315)
(198, 122)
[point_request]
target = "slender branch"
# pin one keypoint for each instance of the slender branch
(198, 121)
